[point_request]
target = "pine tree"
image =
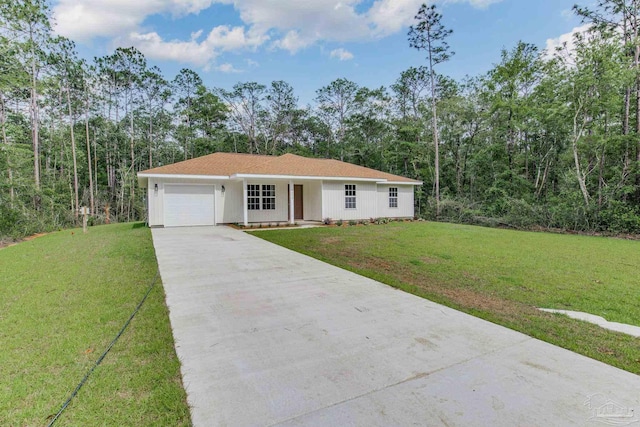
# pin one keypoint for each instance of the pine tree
(430, 35)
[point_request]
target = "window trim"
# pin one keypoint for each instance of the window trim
(393, 197)
(350, 196)
(268, 196)
(261, 197)
(253, 197)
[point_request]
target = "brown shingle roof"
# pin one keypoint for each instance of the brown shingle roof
(227, 164)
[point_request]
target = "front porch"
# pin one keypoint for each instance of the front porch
(271, 201)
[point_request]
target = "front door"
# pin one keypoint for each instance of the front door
(298, 207)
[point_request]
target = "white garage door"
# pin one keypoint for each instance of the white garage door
(186, 204)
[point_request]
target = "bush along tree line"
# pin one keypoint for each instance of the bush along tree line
(548, 139)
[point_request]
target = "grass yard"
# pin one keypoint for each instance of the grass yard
(499, 275)
(63, 298)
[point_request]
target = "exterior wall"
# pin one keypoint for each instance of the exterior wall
(312, 200)
(405, 207)
(372, 201)
(229, 204)
(281, 212)
(333, 200)
(154, 203)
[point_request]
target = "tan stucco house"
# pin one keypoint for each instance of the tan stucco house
(223, 188)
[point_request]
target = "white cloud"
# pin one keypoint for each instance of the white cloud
(341, 54)
(86, 19)
(235, 38)
(565, 41)
(299, 24)
(390, 16)
(292, 42)
(153, 46)
(290, 25)
(195, 52)
(227, 68)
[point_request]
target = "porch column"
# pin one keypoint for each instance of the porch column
(322, 208)
(245, 211)
(292, 220)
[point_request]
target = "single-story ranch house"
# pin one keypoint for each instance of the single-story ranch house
(242, 188)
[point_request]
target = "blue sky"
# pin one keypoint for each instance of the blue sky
(307, 43)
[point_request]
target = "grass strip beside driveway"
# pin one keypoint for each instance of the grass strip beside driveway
(63, 298)
(498, 275)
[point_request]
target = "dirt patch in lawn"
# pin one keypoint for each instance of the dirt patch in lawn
(332, 240)
(7, 243)
(474, 300)
(459, 296)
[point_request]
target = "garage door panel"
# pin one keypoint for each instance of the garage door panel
(186, 205)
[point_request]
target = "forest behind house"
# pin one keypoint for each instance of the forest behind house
(544, 139)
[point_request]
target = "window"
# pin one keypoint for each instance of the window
(393, 197)
(350, 196)
(268, 197)
(257, 199)
(253, 197)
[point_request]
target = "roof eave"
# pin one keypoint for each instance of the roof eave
(144, 177)
(401, 182)
(182, 176)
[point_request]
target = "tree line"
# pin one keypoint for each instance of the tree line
(542, 139)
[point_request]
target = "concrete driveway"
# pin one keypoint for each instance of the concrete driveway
(269, 337)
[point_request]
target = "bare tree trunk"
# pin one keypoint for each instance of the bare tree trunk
(112, 156)
(133, 167)
(436, 143)
(601, 177)
(436, 146)
(123, 180)
(627, 92)
(526, 157)
(150, 140)
(55, 159)
(95, 164)
(633, 18)
(74, 207)
(62, 147)
(86, 128)
(627, 109)
(577, 133)
(35, 136)
(73, 155)
(3, 120)
(188, 135)
(540, 184)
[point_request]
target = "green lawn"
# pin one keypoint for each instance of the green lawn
(63, 298)
(499, 275)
